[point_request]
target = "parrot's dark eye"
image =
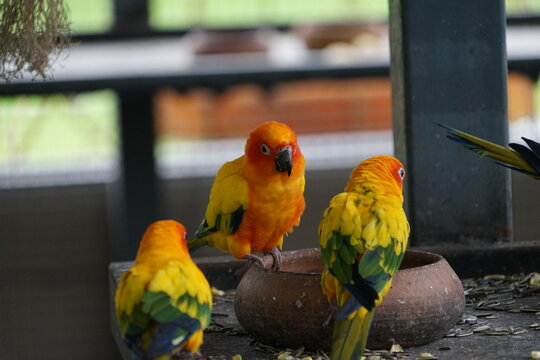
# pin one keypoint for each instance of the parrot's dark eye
(401, 173)
(265, 150)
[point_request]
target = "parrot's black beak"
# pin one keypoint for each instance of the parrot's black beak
(284, 160)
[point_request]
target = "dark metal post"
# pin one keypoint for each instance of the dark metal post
(448, 65)
(131, 16)
(135, 200)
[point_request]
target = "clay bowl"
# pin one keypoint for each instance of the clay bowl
(287, 308)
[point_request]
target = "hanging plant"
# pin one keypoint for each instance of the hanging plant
(33, 33)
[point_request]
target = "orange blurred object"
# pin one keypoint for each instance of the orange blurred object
(183, 115)
(239, 110)
(308, 106)
(311, 106)
(520, 96)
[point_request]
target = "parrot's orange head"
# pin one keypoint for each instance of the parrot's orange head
(163, 238)
(274, 149)
(385, 170)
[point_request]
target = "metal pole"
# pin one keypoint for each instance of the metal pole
(131, 16)
(135, 199)
(448, 65)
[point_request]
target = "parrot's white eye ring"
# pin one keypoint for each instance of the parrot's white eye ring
(265, 150)
(401, 173)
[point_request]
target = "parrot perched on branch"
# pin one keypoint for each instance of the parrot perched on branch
(258, 198)
(520, 158)
(363, 236)
(164, 302)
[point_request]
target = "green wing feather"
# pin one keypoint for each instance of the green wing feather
(181, 309)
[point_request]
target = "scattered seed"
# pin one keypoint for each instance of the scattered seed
(374, 357)
(283, 355)
(505, 289)
(535, 354)
(396, 348)
(217, 292)
(534, 280)
(427, 356)
(481, 328)
(497, 332)
(483, 314)
(528, 310)
(492, 303)
(464, 333)
(468, 319)
(478, 324)
(494, 277)
(236, 357)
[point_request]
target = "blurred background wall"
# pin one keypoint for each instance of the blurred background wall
(59, 155)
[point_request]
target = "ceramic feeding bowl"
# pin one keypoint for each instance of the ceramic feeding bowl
(286, 308)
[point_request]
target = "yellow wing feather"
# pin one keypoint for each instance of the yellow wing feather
(229, 192)
(228, 200)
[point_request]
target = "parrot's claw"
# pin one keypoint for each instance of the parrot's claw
(278, 258)
(250, 260)
(254, 259)
(183, 355)
(198, 355)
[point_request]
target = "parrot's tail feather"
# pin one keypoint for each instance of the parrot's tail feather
(535, 147)
(514, 159)
(195, 244)
(350, 306)
(528, 155)
(163, 357)
(350, 337)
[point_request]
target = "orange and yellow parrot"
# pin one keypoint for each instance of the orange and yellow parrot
(164, 302)
(363, 236)
(520, 158)
(258, 198)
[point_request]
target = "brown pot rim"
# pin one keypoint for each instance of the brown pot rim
(438, 260)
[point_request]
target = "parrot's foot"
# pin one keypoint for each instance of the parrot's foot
(197, 355)
(333, 309)
(183, 355)
(278, 259)
(254, 259)
(250, 260)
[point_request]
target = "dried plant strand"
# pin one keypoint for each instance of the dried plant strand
(33, 33)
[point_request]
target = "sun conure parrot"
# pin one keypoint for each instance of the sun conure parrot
(164, 302)
(363, 236)
(258, 198)
(520, 158)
